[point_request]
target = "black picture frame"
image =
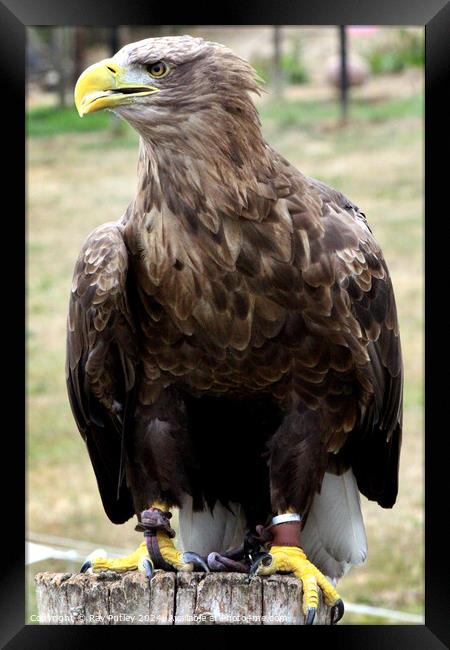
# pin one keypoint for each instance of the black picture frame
(15, 15)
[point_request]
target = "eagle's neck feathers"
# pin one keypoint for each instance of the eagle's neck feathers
(208, 167)
(195, 189)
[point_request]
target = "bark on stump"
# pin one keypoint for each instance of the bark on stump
(110, 598)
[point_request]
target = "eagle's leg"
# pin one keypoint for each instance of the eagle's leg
(296, 451)
(159, 535)
(157, 551)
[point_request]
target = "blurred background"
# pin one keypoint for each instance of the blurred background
(344, 105)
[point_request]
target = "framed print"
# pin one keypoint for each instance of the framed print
(351, 102)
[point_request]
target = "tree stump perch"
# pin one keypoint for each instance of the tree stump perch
(110, 598)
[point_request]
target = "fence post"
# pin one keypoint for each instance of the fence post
(110, 598)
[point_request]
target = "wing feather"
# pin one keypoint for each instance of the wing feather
(373, 446)
(100, 361)
(340, 252)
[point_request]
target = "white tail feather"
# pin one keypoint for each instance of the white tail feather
(203, 532)
(334, 537)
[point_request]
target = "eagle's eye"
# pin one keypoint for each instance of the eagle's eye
(158, 69)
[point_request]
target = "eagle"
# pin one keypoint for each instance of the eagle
(233, 345)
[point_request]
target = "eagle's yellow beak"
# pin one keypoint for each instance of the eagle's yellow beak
(104, 85)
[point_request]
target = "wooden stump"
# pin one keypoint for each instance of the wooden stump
(110, 598)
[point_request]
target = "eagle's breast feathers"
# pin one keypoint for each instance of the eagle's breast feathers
(281, 294)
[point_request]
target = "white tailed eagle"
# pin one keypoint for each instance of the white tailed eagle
(233, 347)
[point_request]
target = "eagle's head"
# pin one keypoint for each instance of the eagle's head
(166, 85)
(190, 102)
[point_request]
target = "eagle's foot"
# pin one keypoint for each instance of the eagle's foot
(292, 559)
(138, 560)
(165, 555)
(157, 551)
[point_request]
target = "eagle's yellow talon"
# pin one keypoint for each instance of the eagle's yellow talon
(130, 562)
(171, 554)
(291, 559)
(136, 560)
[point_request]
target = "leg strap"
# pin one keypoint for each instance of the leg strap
(155, 519)
(154, 552)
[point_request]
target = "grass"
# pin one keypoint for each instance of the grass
(50, 121)
(317, 115)
(79, 177)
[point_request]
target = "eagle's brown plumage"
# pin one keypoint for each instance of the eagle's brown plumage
(234, 334)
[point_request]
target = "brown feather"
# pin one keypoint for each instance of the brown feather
(231, 276)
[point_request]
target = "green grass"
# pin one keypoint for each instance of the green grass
(316, 114)
(52, 120)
